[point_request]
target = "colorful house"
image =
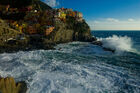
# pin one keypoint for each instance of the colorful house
(20, 29)
(79, 14)
(49, 29)
(62, 15)
(71, 14)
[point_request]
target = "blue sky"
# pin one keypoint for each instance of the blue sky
(105, 14)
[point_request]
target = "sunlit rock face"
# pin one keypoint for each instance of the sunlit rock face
(8, 85)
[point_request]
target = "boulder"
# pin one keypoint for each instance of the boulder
(8, 85)
(99, 43)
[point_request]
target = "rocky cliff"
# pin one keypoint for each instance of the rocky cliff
(70, 31)
(66, 28)
(62, 34)
(11, 39)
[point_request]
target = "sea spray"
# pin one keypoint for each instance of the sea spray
(118, 43)
(75, 68)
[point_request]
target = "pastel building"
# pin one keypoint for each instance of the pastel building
(49, 29)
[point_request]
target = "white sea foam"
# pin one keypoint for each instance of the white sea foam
(118, 43)
(70, 69)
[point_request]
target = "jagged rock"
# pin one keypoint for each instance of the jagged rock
(8, 85)
(99, 43)
(82, 32)
(71, 31)
(109, 49)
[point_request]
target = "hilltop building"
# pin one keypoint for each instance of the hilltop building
(63, 13)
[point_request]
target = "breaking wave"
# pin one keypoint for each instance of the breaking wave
(71, 68)
(119, 43)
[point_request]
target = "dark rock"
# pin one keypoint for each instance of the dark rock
(99, 43)
(109, 49)
(82, 32)
(11, 42)
(23, 87)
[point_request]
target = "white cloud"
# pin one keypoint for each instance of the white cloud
(131, 20)
(96, 22)
(114, 24)
(112, 20)
(52, 3)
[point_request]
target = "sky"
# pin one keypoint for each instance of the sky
(105, 14)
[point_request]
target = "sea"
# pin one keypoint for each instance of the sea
(80, 67)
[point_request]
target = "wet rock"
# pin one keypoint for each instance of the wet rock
(8, 85)
(99, 43)
(109, 49)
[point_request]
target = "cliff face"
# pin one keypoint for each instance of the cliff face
(63, 33)
(32, 31)
(82, 32)
(11, 39)
(70, 31)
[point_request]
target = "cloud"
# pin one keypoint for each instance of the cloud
(96, 21)
(131, 20)
(114, 24)
(112, 20)
(52, 3)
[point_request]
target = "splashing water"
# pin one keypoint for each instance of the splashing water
(73, 69)
(76, 67)
(118, 43)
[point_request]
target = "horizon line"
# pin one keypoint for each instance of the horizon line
(115, 30)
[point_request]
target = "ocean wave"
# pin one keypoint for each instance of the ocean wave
(119, 43)
(71, 68)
